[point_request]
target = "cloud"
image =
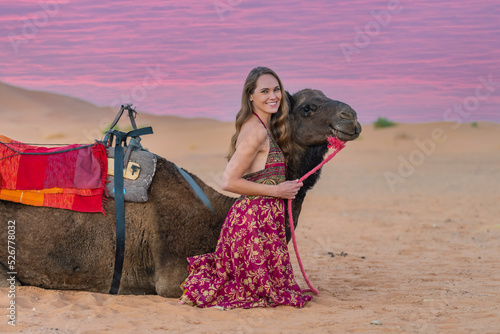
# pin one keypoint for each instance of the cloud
(416, 61)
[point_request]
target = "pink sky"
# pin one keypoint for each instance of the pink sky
(420, 61)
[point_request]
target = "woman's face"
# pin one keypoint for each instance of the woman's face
(267, 95)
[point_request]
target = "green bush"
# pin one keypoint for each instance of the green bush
(474, 124)
(119, 128)
(383, 122)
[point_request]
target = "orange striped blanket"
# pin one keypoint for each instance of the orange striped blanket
(74, 179)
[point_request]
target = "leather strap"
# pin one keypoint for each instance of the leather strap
(120, 216)
(121, 141)
(198, 191)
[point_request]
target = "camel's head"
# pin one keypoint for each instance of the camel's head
(315, 117)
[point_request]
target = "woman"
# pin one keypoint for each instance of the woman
(251, 265)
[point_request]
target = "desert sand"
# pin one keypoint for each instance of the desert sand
(403, 228)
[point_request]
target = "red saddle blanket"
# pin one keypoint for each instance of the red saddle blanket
(74, 179)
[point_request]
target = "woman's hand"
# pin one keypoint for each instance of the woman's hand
(288, 189)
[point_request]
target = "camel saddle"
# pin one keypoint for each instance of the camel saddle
(137, 175)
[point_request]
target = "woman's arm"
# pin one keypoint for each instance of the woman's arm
(250, 142)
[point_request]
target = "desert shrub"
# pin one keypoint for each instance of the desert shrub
(474, 124)
(383, 122)
(121, 128)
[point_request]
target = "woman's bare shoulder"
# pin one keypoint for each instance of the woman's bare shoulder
(252, 133)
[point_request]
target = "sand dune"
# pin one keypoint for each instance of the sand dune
(413, 224)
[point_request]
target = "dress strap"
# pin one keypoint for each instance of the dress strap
(268, 132)
(260, 120)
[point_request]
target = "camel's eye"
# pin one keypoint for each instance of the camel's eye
(309, 108)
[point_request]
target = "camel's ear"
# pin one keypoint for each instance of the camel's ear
(291, 101)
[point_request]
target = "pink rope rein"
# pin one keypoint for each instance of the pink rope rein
(337, 145)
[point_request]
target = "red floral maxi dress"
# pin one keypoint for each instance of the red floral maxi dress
(251, 265)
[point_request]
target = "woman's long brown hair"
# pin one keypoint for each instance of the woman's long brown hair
(280, 128)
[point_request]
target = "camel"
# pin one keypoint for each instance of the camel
(62, 249)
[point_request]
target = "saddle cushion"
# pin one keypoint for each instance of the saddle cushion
(71, 180)
(134, 190)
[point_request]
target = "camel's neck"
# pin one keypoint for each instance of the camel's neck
(303, 164)
(300, 166)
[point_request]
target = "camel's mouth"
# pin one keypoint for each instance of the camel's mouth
(345, 135)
